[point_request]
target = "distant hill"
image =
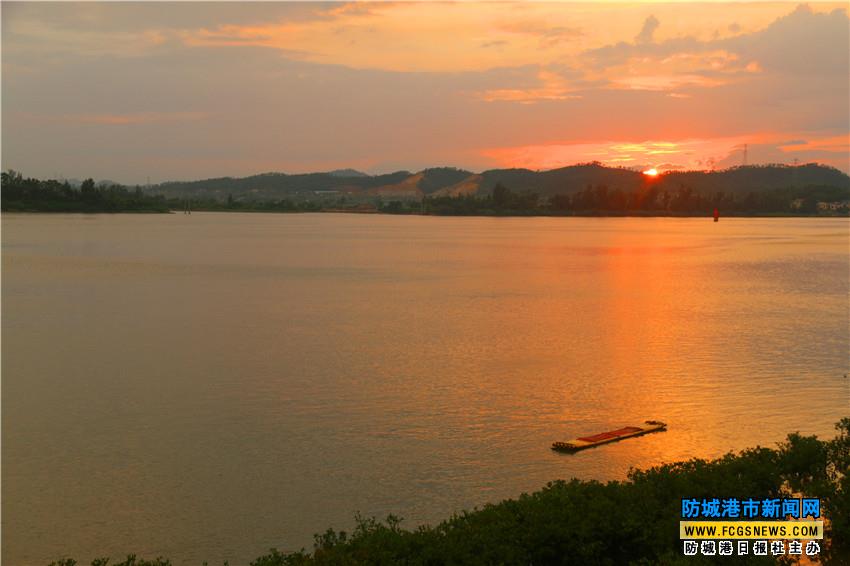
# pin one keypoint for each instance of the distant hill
(755, 178)
(759, 178)
(270, 186)
(564, 180)
(449, 181)
(347, 173)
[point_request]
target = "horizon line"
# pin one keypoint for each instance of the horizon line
(661, 173)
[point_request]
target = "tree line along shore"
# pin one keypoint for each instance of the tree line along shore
(20, 194)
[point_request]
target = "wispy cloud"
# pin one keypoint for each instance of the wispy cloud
(551, 86)
(292, 85)
(663, 155)
(702, 153)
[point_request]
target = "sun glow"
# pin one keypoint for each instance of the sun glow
(651, 172)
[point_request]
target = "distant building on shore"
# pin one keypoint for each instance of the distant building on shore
(836, 206)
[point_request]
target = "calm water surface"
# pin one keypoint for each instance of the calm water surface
(205, 387)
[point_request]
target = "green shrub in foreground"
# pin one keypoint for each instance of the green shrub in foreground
(588, 522)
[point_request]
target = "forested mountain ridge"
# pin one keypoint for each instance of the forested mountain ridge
(444, 180)
(580, 189)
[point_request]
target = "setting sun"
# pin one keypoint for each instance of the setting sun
(651, 172)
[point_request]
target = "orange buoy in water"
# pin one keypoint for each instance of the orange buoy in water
(716, 215)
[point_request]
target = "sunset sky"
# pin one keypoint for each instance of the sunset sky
(168, 91)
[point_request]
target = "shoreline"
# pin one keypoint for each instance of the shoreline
(538, 214)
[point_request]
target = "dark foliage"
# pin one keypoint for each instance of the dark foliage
(274, 186)
(588, 522)
(32, 195)
(736, 180)
(233, 205)
(650, 199)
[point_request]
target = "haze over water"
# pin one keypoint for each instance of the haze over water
(205, 387)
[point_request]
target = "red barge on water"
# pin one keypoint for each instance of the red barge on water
(605, 437)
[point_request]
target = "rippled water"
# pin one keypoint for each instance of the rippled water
(205, 387)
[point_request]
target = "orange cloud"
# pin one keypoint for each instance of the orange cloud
(665, 82)
(831, 143)
(538, 85)
(703, 153)
(664, 155)
(552, 87)
(460, 36)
